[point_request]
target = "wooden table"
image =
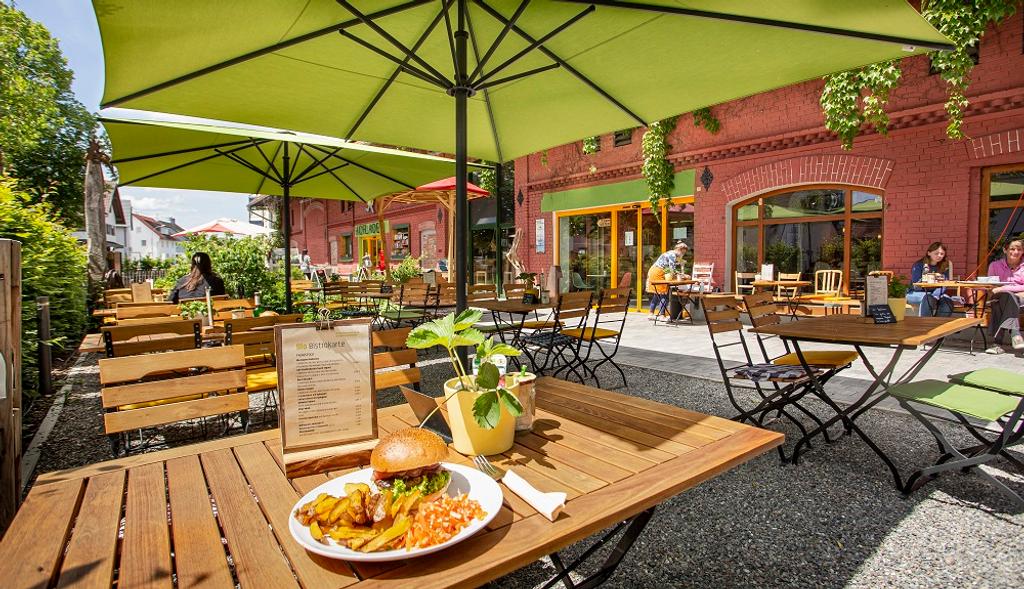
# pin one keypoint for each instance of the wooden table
(862, 332)
(674, 306)
(975, 307)
(616, 456)
(791, 287)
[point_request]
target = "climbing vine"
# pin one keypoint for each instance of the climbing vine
(657, 172)
(855, 97)
(703, 117)
(859, 96)
(487, 177)
(591, 144)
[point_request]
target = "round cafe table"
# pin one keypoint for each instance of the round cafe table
(675, 304)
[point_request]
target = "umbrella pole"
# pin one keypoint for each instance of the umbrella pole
(287, 221)
(461, 91)
(383, 238)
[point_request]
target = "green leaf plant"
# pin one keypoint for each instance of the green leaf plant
(451, 332)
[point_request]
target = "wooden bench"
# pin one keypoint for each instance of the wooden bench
(146, 391)
(144, 338)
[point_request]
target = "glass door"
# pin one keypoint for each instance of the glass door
(626, 245)
(484, 256)
(650, 248)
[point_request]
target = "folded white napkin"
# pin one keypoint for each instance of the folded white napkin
(547, 504)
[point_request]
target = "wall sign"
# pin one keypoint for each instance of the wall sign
(627, 238)
(540, 243)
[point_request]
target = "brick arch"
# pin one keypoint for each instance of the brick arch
(871, 172)
(996, 144)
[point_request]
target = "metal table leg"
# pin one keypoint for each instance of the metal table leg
(634, 526)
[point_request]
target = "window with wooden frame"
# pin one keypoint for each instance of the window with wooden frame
(345, 247)
(819, 227)
(1002, 210)
(623, 137)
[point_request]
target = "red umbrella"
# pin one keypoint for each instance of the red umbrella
(448, 185)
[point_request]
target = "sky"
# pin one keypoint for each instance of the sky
(73, 23)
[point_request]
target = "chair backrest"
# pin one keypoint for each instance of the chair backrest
(514, 290)
(704, 275)
(722, 312)
(828, 282)
(148, 310)
(627, 280)
(577, 281)
(481, 292)
(612, 309)
(393, 354)
(163, 388)
(742, 281)
(787, 276)
(573, 305)
(142, 292)
(113, 296)
(233, 326)
(232, 304)
(150, 320)
(445, 294)
(302, 285)
(144, 338)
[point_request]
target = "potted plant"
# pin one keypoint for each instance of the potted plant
(482, 410)
(898, 297)
(530, 278)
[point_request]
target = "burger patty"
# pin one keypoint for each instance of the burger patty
(411, 477)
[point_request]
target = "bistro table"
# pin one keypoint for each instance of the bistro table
(863, 332)
(973, 306)
(617, 457)
(792, 288)
(675, 304)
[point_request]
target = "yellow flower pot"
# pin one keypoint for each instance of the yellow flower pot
(467, 436)
(899, 308)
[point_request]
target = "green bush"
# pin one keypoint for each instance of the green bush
(147, 263)
(242, 263)
(407, 270)
(52, 265)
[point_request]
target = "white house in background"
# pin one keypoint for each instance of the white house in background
(154, 238)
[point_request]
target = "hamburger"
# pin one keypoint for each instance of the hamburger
(409, 460)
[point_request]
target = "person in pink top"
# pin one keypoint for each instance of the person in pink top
(1009, 298)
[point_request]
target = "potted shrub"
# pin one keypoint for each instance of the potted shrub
(482, 410)
(898, 297)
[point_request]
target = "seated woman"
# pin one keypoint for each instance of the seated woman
(194, 284)
(671, 260)
(1009, 298)
(932, 302)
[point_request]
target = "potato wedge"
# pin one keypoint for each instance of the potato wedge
(409, 504)
(356, 543)
(325, 506)
(383, 506)
(361, 487)
(339, 509)
(345, 533)
(317, 533)
(401, 526)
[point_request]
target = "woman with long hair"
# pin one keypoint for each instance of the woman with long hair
(194, 284)
(935, 262)
(1009, 298)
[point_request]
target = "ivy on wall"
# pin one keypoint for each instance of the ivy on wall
(703, 117)
(591, 144)
(859, 96)
(657, 172)
(488, 177)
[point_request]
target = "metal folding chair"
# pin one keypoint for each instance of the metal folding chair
(605, 332)
(561, 352)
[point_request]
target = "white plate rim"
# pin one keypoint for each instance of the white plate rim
(476, 479)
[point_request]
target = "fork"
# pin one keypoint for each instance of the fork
(484, 466)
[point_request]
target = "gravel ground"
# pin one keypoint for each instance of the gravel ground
(834, 520)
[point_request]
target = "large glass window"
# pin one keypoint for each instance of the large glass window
(401, 245)
(1002, 214)
(803, 231)
(585, 250)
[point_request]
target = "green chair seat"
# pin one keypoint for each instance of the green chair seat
(980, 403)
(403, 314)
(993, 379)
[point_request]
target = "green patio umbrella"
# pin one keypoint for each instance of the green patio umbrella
(493, 79)
(206, 156)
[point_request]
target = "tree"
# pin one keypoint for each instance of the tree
(44, 130)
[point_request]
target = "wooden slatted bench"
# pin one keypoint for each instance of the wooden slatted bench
(143, 338)
(145, 391)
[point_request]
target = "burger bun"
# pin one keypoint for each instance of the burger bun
(408, 449)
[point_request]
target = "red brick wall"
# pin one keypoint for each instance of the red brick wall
(932, 184)
(316, 222)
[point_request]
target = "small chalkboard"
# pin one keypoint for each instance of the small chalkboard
(882, 314)
(386, 289)
(529, 298)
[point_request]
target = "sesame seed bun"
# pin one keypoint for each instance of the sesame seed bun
(408, 449)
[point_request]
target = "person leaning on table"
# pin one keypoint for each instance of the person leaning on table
(670, 260)
(934, 301)
(193, 285)
(1009, 298)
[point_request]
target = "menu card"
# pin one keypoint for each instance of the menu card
(327, 409)
(876, 292)
(767, 272)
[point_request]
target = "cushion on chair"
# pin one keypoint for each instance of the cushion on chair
(958, 398)
(261, 380)
(820, 358)
(591, 333)
(538, 324)
(403, 314)
(993, 379)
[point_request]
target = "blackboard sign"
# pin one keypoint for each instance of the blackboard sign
(529, 298)
(386, 289)
(882, 314)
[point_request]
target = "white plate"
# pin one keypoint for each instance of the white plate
(464, 480)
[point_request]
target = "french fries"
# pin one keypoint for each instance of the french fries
(361, 520)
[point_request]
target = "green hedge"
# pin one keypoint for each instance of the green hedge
(52, 265)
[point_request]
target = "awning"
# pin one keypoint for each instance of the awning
(604, 195)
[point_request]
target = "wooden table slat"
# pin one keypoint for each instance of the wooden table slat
(257, 557)
(276, 498)
(34, 542)
(700, 433)
(550, 422)
(548, 430)
(92, 551)
(146, 550)
(591, 464)
(199, 557)
(555, 469)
